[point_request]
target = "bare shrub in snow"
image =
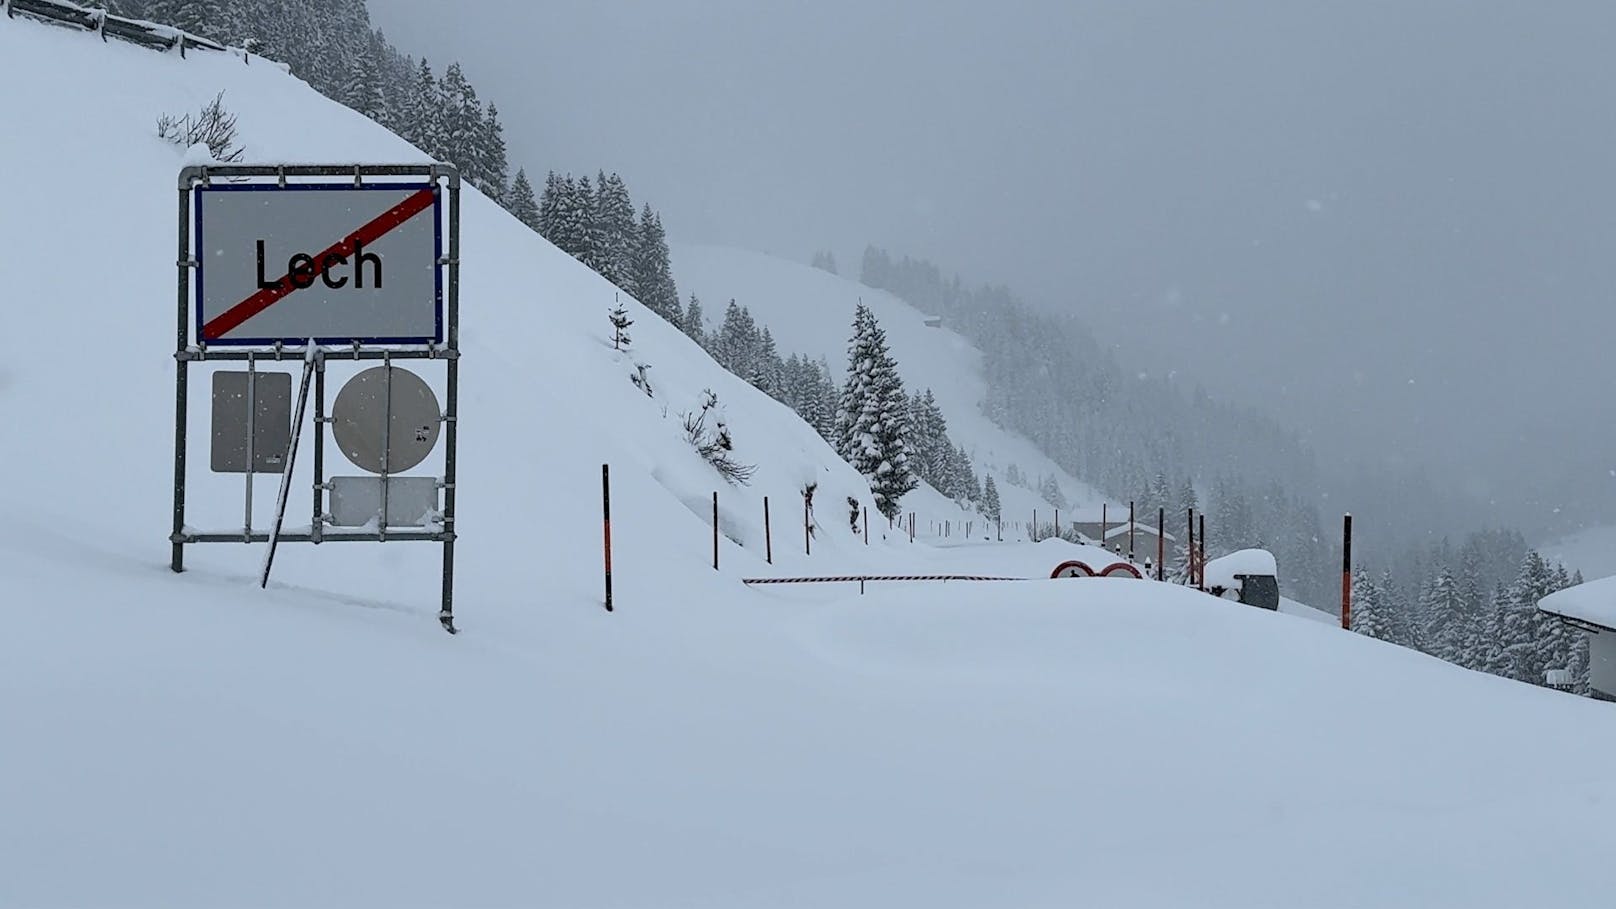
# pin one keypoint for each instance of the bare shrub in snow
(212, 126)
(641, 380)
(713, 443)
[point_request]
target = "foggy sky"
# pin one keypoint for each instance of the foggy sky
(1390, 223)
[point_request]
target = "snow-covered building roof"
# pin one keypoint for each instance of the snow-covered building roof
(1593, 602)
(1221, 572)
(1121, 530)
(1092, 514)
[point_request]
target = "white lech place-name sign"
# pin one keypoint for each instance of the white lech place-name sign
(329, 261)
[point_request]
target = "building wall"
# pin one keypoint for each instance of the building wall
(1602, 663)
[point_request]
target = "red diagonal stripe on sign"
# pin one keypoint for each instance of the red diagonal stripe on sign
(232, 318)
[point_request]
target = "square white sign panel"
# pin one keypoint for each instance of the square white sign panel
(356, 501)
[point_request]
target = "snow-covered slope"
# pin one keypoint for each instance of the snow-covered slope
(810, 311)
(193, 741)
(1591, 551)
(89, 272)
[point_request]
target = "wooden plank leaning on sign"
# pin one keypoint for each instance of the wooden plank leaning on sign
(291, 457)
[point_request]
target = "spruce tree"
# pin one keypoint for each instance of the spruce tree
(872, 416)
(571, 216)
(423, 116)
(1049, 489)
(549, 207)
(614, 231)
(765, 373)
(462, 125)
(1495, 657)
(990, 499)
(1520, 657)
(585, 226)
(651, 272)
(829, 401)
(492, 167)
(1184, 499)
(693, 323)
(620, 323)
(735, 346)
(366, 92)
(935, 451)
(520, 201)
(1369, 608)
(965, 485)
(1395, 608)
(1443, 620)
(1157, 495)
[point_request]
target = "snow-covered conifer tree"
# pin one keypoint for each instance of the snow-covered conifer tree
(990, 499)
(872, 416)
(614, 230)
(620, 324)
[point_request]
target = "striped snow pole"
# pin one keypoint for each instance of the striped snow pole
(606, 515)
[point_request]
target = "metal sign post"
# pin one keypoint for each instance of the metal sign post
(321, 264)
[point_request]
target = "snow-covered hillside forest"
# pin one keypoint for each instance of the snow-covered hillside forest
(1137, 432)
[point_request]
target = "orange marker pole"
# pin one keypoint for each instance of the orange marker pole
(606, 510)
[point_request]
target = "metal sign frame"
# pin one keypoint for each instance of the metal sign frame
(190, 349)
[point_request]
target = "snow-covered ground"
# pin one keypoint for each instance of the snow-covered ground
(810, 312)
(193, 741)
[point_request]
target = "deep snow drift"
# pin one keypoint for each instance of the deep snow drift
(192, 741)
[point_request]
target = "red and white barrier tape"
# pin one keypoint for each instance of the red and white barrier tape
(877, 577)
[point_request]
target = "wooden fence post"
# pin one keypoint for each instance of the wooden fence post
(768, 537)
(715, 530)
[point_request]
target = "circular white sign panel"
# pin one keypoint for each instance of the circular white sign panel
(360, 412)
